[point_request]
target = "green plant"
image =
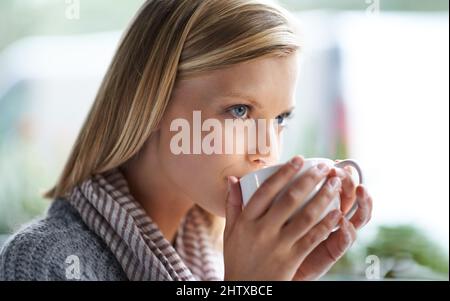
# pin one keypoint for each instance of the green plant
(404, 251)
(406, 242)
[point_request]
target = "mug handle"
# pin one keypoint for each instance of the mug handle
(355, 165)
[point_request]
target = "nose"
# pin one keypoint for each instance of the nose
(266, 150)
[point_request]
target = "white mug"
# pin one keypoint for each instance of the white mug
(251, 182)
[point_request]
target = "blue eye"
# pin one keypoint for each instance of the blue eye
(239, 111)
(282, 119)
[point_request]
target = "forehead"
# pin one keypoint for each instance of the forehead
(263, 79)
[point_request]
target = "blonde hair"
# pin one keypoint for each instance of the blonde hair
(167, 40)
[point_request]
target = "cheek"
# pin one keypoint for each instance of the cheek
(202, 178)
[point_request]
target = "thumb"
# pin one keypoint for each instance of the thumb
(233, 205)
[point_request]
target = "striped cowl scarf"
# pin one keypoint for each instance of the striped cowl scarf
(107, 207)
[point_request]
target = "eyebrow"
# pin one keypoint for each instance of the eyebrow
(251, 100)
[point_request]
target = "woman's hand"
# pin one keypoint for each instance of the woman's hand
(325, 255)
(270, 240)
(265, 241)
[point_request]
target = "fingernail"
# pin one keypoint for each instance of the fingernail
(347, 237)
(296, 162)
(323, 168)
(361, 192)
(335, 183)
(233, 180)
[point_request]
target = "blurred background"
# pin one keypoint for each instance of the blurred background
(374, 87)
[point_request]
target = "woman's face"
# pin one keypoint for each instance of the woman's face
(261, 89)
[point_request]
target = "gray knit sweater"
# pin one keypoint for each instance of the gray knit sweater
(58, 247)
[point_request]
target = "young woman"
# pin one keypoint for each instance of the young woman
(127, 207)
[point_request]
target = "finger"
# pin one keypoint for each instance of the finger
(348, 191)
(233, 204)
(364, 212)
(302, 221)
(328, 252)
(349, 183)
(263, 197)
(340, 241)
(316, 235)
(296, 194)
